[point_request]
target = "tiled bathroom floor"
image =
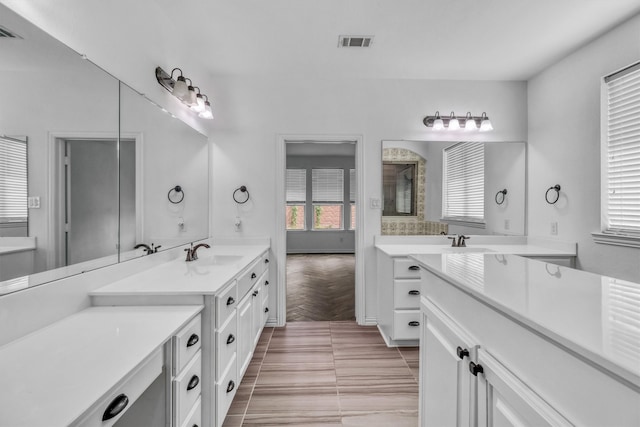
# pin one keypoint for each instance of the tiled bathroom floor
(327, 374)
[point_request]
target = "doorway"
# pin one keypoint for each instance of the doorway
(318, 270)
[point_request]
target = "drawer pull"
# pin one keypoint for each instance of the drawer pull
(266, 261)
(255, 293)
(231, 386)
(414, 323)
(266, 283)
(231, 339)
(230, 301)
(266, 309)
(462, 352)
(414, 292)
(475, 369)
(116, 406)
(193, 340)
(253, 275)
(414, 268)
(193, 382)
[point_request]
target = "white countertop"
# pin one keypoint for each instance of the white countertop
(9, 245)
(597, 317)
(52, 376)
(178, 277)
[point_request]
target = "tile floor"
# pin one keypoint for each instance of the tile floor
(327, 374)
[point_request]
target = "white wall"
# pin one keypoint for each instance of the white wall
(564, 148)
(257, 110)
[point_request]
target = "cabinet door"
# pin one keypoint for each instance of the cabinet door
(245, 339)
(504, 400)
(445, 352)
(257, 315)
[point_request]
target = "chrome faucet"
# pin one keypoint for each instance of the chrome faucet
(147, 249)
(458, 241)
(192, 253)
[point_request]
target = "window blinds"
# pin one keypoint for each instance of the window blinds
(352, 185)
(463, 187)
(623, 152)
(296, 185)
(327, 185)
(13, 180)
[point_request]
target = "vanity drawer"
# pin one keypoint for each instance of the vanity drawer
(130, 390)
(186, 343)
(406, 324)
(194, 419)
(226, 303)
(405, 268)
(186, 389)
(226, 345)
(406, 294)
(225, 391)
(249, 277)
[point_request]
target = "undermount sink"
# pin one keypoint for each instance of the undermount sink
(453, 249)
(220, 259)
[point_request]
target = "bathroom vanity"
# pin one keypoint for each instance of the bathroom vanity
(399, 275)
(506, 340)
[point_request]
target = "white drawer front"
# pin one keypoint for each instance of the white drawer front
(195, 416)
(249, 278)
(405, 268)
(186, 344)
(226, 344)
(406, 294)
(226, 303)
(125, 396)
(406, 324)
(186, 389)
(226, 390)
(265, 260)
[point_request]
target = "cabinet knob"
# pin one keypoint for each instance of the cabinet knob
(475, 369)
(116, 406)
(462, 352)
(253, 275)
(414, 268)
(414, 292)
(231, 386)
(193, 340)
(255, 293)
(266, 283)
(230, 300)
(230, 339)
(266, 261)
(414, 323)
(266, 309)
(193, 382)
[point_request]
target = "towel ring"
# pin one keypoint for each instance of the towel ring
(241, 189)
(557, 190)
(177, 189)
(557, 273)
(500, 200)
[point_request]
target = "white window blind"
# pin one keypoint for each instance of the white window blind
(327, 185)
(13, 180)
(463, 182)
(296, 185)
(621, 212)
(352, 185)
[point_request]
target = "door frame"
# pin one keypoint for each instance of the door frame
(55, 208)
(280, 247)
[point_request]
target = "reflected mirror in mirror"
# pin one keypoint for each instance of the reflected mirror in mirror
(458, 195)
(399, 190)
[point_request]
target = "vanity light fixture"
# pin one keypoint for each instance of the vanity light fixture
(453, 122)
(182, 88)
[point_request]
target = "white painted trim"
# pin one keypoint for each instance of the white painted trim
(280, 248)
(616, 239)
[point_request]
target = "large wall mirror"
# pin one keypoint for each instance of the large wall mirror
(90, 182)
(433, 187)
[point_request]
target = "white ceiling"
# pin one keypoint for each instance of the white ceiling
(414, 39)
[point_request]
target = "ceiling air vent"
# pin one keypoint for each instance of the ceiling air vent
(355, 41)
(4, 33)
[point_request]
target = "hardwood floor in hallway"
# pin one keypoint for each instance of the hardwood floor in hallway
(320, 287)
(327, 374)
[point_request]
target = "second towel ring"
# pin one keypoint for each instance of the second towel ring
(500, 200)
(177, 189)
(557, 190)
(241, 189)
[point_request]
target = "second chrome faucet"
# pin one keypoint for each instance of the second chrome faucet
(192, 252)
(458, 241)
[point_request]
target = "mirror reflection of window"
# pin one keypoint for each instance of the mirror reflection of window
(13, 187)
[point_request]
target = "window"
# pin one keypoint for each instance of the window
(463, 183)
(296, 198)
(327, 189)
(352, 199)
(13, 180)
(621, 159)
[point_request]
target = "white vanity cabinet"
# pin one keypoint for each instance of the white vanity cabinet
(398, 299)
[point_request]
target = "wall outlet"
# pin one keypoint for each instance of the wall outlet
(507, 224)
(554, 228)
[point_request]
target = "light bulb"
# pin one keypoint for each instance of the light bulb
(485, 124)
(199, 106)
(190, 97)
(180, 89)
(454, 124)
(470, 123)
(206, 113)
(438, 123)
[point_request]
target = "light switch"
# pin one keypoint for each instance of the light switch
(374, 203)
(33, 202)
